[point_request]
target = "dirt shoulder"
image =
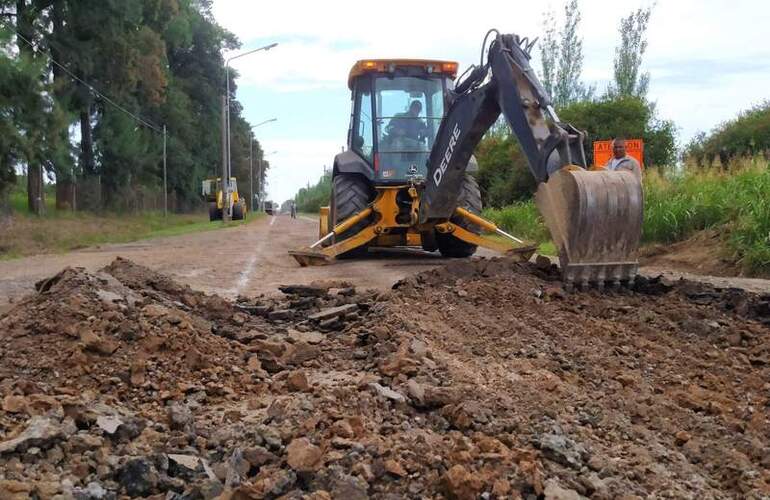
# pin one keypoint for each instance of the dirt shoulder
(702, 254)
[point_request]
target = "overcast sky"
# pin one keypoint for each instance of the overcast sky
(708, 59)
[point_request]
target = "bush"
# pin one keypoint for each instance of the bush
(312, 198)
(522, 219)
(504, 177)
(745, 136)
(626, 116)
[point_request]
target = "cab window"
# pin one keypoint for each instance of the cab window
(363, 134)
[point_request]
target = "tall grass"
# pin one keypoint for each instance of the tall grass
(521, 219)
(736, 201)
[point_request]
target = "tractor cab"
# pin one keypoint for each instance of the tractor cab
(398, 106)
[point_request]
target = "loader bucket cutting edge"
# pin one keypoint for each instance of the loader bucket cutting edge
(595, 221)
(522, 253)
(306, 258)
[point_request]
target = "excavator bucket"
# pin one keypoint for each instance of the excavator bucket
(595, 220)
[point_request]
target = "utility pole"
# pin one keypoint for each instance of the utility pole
(225, 178)
(165, 178)
(251, 173)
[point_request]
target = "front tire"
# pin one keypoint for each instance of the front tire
(351, 194)
(469, 199)
(238, 211)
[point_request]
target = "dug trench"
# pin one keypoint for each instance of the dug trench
(482, 379)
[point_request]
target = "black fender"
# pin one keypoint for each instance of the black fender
(349, 162)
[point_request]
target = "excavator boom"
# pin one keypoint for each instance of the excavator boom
(594, 217)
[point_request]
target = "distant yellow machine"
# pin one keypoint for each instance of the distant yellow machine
(405, 177)
(212, 191)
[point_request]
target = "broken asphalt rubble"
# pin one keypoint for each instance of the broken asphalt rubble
(481, 379)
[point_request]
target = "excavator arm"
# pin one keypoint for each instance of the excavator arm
(594, 217)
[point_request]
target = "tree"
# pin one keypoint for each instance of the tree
(562, 57)
(158, 60)
(503, 175)
(629, 81)
(311, 198)
(746, 135)
(549, 52)
(627, 116)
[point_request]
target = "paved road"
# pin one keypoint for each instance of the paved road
(249, 260)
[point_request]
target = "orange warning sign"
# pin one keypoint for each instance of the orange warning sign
(603, 151)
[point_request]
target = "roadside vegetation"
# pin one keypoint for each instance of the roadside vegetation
(311, 198)
(734, 200)
(142, 66)
(24, 233)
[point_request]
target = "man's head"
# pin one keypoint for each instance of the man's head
(619, 148)
(415, 108)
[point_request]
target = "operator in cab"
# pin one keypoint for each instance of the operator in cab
(409, 125)
(621, 160)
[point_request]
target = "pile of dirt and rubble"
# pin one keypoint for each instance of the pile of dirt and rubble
(482, 379)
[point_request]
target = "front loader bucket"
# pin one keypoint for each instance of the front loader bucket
(310, 257)
(595, 220)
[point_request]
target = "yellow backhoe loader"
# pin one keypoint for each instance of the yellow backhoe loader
(215, 196)
(405, 178)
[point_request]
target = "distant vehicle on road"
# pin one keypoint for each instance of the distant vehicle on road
(212, 192)
(270, 207)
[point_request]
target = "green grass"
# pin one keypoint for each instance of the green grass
(57, 232)
(521, 220)
(736, 201)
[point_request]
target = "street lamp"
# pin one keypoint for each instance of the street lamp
(251, 163)
(226, 182)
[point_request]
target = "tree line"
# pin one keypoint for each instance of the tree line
(86, 87)
(746, 135)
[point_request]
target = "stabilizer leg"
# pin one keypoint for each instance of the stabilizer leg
(315, 256)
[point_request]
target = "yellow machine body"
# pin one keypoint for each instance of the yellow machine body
(386, 230)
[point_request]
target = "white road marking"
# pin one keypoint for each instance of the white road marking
(245, 275)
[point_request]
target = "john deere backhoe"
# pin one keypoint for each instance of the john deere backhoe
(404, 180)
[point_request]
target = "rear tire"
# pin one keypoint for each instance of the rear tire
(214, 212)
(238, 210)
(469, 199)
(351, 194)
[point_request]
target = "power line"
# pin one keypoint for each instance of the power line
(90, 87)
